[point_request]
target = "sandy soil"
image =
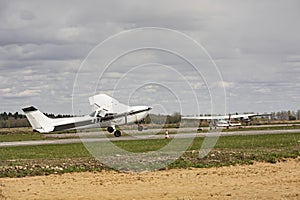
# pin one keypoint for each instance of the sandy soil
(258, 181)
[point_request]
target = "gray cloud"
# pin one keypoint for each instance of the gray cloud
(254, 43)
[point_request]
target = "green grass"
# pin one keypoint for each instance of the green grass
(240, 142)
(21, 137)
(255, 141)
(141, 145)
(229, 150)
(249, 128)
(44, 152)
(78, 150)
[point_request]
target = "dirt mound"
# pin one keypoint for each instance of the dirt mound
(258, 181)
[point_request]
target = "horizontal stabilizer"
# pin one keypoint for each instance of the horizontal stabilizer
(29, 109)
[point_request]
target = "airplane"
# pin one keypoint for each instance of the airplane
(225, 120)
(108, 113)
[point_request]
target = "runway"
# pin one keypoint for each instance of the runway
(146, 135)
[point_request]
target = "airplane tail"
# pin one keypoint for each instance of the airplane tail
(38, 120)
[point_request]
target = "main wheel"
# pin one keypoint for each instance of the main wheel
(110, 129)
(140, 128)
(117, 133)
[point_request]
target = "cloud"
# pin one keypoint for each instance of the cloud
(9, 93)
(27, 15)
(263, 90)
(151, 88)
(255, 45)
(6, 90)
(224, 84)
(115, 75)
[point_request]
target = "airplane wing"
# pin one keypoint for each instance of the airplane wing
(207, 117)
(244, 116)
(105, 104)
(247, 116)
(234, 116)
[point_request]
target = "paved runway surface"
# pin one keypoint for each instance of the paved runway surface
(145, 135)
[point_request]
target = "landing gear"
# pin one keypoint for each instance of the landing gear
(140, 128)
(117, 133)
(110, 129)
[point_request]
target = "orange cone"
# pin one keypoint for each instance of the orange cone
(167, 134)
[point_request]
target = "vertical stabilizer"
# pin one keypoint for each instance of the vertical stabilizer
(38, 120)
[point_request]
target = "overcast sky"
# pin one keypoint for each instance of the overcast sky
(254, 46)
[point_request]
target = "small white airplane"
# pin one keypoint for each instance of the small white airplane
(108, 113)
(225, 120)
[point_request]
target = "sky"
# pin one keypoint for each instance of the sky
(176, 56)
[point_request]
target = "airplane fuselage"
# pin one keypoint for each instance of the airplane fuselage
(108, 113)
(137, 114)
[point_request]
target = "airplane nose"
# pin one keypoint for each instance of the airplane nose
(149, 108)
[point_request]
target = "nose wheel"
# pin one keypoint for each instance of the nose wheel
(140, 128)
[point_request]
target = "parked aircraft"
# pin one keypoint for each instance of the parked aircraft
(108, 113)
(225, 120)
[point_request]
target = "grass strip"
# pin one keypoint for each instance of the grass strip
(229, 150)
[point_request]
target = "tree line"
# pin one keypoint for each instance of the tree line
(9, 120)
(163, 119)
(286, 115)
